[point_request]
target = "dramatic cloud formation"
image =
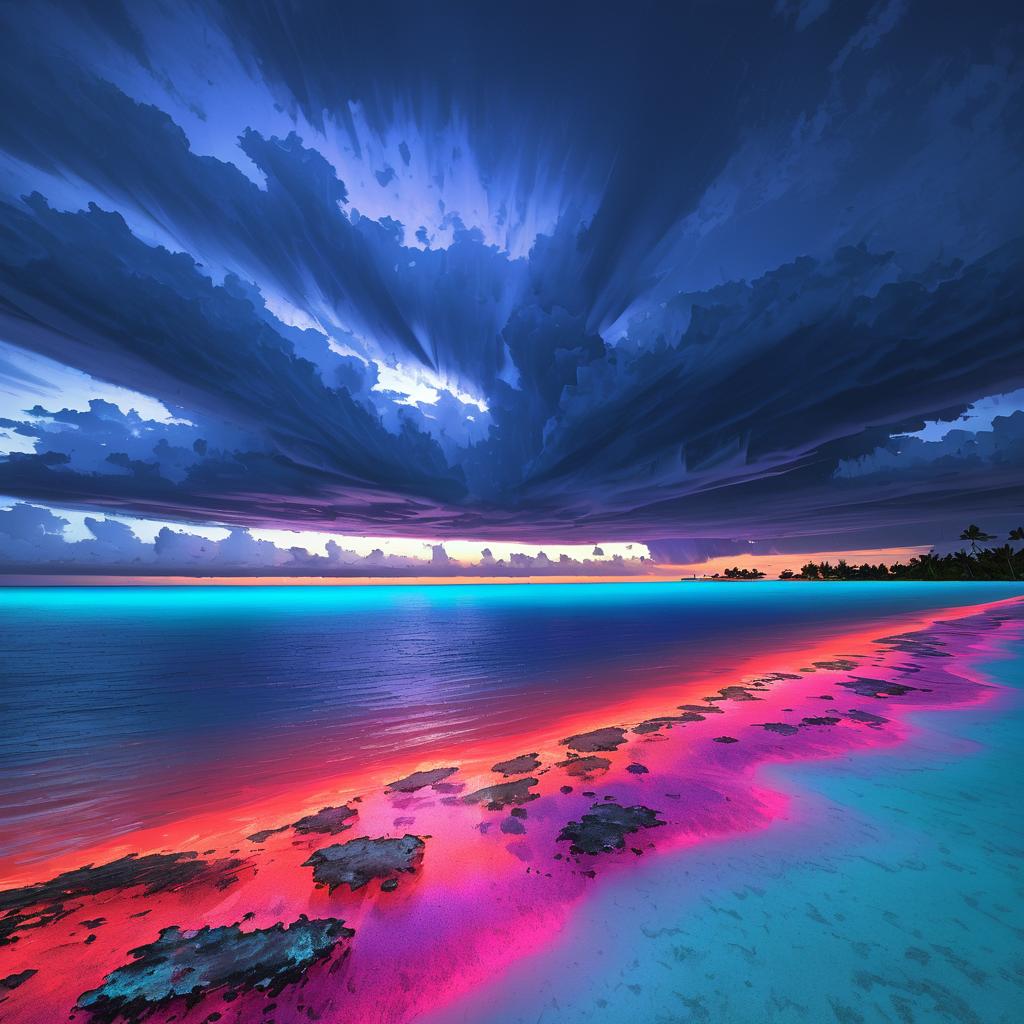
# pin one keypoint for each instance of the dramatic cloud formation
(458, 273)
(33, 538)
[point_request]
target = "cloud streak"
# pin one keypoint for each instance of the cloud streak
(603, 296)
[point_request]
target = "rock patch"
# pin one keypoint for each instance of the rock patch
(359, 860)
(605, 826)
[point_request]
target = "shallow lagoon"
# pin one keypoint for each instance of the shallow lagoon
(891, 892)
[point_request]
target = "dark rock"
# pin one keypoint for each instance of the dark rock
(12, 981)
(605, 827)
(666, 722)
(157, 872)
(702, 709)
(920, 645)
(823, 720)
(638, 769)
(519, 812)
(782, 728)
(875, 721)
(504, 794)
(389, 885)
(879, 688)
(517, 765)
(725, 739)
(838, 665)
(192, 964)
(94, 923)
(359, 860)
(513, 826)
(598, 739)
(327, 821)
(584, 767)
(262, 837)
(735, 693)
(565, 789)
(418, 780)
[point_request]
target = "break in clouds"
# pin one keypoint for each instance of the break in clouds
(36, 539)
(467, 291)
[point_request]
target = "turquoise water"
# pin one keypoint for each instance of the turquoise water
(892, 895)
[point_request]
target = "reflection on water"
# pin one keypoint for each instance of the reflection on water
(130, 705)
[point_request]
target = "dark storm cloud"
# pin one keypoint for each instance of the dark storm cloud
(635, 282)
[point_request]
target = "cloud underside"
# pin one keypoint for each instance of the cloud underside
(696, 324)
(33, 539)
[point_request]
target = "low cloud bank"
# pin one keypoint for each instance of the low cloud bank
(32, 540)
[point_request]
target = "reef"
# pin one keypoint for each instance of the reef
(12, 981)
(605, 827)
(608, 738)
(191, 964)
(262, 837)
(158, 872)
(735, 693)
(584, 767)
(782, 728)
(666, 722)
(880, 688)
(504, 794)
(866, 718)
(327, 821)
(359, 860)
(517, 765)
(419, 780)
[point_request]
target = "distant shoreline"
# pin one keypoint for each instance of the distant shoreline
(29, 582)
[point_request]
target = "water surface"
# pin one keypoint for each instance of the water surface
(133, 706)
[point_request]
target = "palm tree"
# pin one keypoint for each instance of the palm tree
(974, 534)
(1006, 552)
(1017, 533)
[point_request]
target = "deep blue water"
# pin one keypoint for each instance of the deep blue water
(120, 704)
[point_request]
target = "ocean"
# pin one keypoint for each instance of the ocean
(814, 812)
(133, 703)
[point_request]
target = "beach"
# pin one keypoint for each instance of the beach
(535, 830)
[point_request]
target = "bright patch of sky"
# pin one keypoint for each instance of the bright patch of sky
(27, 380)
(315, 542)
(420, 385)
(978, 417)
(468, 551)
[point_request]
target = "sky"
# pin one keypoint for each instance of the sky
(536, 290)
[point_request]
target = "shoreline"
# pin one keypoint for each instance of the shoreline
(701, 791)
(474, 754)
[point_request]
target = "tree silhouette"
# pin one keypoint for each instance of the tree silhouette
(1006, 553)
(973, 534)
(1017, 533)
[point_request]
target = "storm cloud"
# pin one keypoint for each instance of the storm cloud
(609, 278)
